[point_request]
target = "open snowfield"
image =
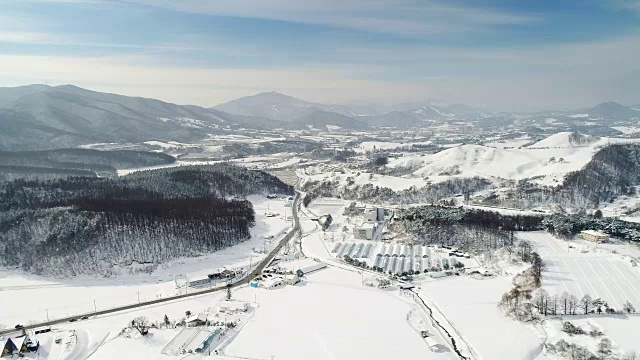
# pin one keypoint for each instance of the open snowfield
(598, 272)
(331, 316)
(472, 307)
(35, 297)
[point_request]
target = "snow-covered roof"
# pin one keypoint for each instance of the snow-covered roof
(18, 341)
(366, 225)
(201, 317)
(269, 282)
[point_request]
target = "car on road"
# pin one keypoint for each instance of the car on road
(73, 320)
(18, 327)
(84, 318)
(58, 340)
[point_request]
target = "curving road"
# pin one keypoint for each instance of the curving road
(253, 274)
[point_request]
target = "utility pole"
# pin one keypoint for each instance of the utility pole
(95, 308)
(47, 310)
(138, 297)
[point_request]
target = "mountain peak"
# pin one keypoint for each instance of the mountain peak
(609, 104)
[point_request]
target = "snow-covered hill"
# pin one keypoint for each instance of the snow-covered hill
(546, 161)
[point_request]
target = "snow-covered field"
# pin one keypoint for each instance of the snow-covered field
(597, 272)
(35, 298)
(330, 316)
(472, 307)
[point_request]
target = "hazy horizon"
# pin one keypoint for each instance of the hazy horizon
(495, 54)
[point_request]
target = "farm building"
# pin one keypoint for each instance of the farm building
(594, 236)
(364, 231)
(309, 269)
(234, 306)
(196, 320)
(222, 274)
(373, 214)
(273, 282)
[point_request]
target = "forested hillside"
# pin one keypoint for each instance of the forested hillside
(104, 225)
(613, 171)
(60, 163)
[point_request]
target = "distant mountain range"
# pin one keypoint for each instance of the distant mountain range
(40, 117)
(298, 112)
(612, 111)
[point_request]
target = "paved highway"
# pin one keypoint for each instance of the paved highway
(254, 273)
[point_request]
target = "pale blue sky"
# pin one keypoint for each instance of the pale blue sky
(495, 53)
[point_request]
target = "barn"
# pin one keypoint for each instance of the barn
(309, 269)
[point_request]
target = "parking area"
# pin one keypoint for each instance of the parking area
(579, 271)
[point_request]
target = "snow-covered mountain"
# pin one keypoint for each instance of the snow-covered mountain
(286, 108)
(44, 117)
(277, 106)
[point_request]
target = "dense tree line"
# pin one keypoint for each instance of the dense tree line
(472, 229)
(11, 172)
(91, 161)
(567, 225)
(99, 225)
(238, 150)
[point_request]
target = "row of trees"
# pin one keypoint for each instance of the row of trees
(569, 304)
(520, 303)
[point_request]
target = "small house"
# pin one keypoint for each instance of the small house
(196, 320)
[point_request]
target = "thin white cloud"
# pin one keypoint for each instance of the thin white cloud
(136, 76)
(388, 16)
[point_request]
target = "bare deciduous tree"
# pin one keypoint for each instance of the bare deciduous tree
(141, 324)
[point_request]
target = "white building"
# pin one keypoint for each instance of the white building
(364, 231)
(373, 214)
(273, 282)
